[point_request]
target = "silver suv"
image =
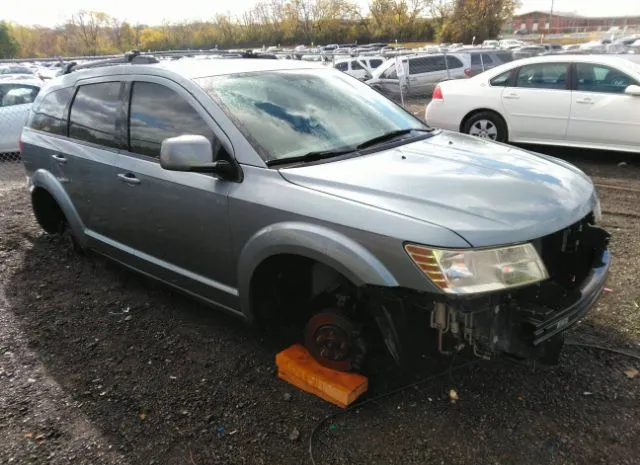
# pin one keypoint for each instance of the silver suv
(287, 191)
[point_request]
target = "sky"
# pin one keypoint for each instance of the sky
(50, 13)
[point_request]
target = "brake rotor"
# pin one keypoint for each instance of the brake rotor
(334, 341)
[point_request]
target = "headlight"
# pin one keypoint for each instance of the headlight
(597, 211)
(473, 271)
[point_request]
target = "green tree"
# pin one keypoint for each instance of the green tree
(481, 19)
(8, 44)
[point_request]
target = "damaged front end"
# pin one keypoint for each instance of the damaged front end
(526, 323)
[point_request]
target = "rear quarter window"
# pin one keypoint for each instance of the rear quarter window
(453, 62)
(48, 113)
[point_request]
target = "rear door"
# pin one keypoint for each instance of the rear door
(537, 102)
(173, 224)
(84, 160)
(601, 113)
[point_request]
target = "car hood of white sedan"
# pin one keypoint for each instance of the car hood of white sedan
(488, 193)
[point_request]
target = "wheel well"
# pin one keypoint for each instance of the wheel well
(285, 285)
(482, 110)
(48, 213)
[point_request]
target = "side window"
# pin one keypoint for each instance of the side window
(93, 114)
(436, 64)
(375, 63)
(599, 78)
(391, 72)
(344, 66)
(356, 66)
(157, 113)
(48, 114)
(505, 57)
(501, 80)
(543, 76)
(486, 59)
(17, 94)
(453, 62)
(418, 65)
(475, 60)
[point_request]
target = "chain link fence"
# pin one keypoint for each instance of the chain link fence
(15, 101)
(12, 172)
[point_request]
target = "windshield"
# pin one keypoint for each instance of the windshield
(289, 113)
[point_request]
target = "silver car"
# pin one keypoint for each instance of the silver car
(290, 192)
(424, 73)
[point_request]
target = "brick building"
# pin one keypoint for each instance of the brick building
(538, 21)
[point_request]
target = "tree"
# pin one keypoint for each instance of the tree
(8, 44)
(481, 19)
(87, 25)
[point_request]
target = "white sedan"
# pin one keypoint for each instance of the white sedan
(585, 101)
(17, 92)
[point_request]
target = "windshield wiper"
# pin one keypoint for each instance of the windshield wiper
(390, 135)
(312, 156)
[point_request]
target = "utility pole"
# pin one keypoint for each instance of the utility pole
(550, 17)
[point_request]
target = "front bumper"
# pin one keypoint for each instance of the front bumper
(511, 324)
(589, 291)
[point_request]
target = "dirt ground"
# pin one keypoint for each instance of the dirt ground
(101, 366)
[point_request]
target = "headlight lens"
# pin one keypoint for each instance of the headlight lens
(474, 271)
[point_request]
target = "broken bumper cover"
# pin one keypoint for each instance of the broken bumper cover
(512, 324)
(589, 291)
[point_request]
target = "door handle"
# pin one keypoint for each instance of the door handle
(59, 158)
(588, 101)
(128, 178)
(512, 96)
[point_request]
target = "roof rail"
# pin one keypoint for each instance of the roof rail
(133, 57)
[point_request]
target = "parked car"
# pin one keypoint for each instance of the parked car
(16, 96)
(528, 51)
(16, 69)
(483, 60)
(425, 71)
(286, 190)
(590, 101)
(552, 48)
(361, 67)
(491, 44)
(509, 44)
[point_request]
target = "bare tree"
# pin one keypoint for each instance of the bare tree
(87, 24)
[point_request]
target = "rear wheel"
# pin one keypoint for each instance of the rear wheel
(486, 125)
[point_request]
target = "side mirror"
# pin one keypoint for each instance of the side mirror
(633, 90)
(193, 153)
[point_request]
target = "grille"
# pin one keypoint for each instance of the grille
(569, 254)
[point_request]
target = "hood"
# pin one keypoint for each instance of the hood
(488, 193)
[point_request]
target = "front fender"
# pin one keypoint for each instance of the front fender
(45, 180)
(316, 242)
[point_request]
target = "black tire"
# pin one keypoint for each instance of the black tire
(484, 123)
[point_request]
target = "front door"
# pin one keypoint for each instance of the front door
(173, 224)
(537, 108)
(601, 113)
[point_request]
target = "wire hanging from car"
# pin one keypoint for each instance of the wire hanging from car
(448, 371)
(357, 405)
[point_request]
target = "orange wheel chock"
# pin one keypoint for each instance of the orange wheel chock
(299, 368)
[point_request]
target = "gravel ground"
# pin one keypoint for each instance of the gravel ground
(101, 366)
